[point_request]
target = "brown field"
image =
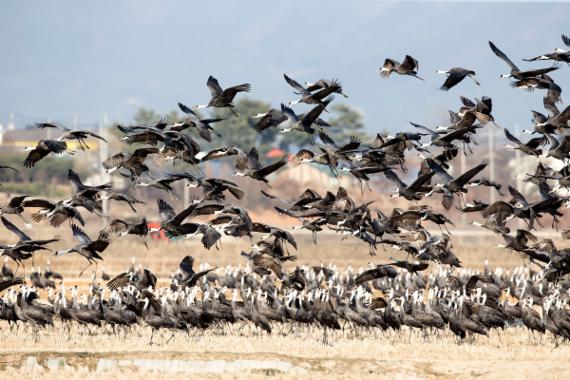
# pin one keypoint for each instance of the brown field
(59, 353)
(223, 351)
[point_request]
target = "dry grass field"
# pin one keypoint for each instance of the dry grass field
(222, 352)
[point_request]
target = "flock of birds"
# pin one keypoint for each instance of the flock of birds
(264, 292)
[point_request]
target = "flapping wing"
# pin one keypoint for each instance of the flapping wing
(214, 86)
(12, 228)
(165, 211)
(296, 85)
(80, 235)
(503, 56)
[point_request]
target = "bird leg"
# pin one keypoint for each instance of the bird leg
(84, 269)
(232, 110)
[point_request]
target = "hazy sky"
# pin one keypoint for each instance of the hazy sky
(64, 57)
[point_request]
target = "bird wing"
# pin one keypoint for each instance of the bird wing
(165, 211)
(265, 171)
(95, 135)
(101, 243)
(209, 236)
(387, 67)
(352, 145)
(296, 85)
(420, 181)
(196, 276)
(291, 115)
(119, 281)
(214, 86)
(253, 159)
(75, 181)
(7, 282)
(512, 138)
(116, 226)
(439, 170)
(12, 228)
(466, 177)
(316, 111)
(566, 40)
(230, 92)
(140, 154)
(467, 102)
(52, 125)
(269, 263)
(187, 110)
(219, 153)
(391, 176)
(302, 154)
(114, 161)
(38, 202)
(17, 201)
(409, 63)
(80, 235)
(186, 265)
(147, 137)
(453, 78)
(34, 156)
(503, 56)
(419, 126)
(518, 196)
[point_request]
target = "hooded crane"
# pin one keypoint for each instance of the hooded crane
(186, 277)
(305, 122)
(308, 97)
(172, 224)
(249, 166)
(408, 67)
(450, 185)
(134, 162)
(55, 212)
(322, 84)
(515, 71)
(15, 207)
(87, 248)
(42, 149)
(203, 126)
(24, 248)
(456, 75)
(223, 98)
(68, 134)
(558, 55)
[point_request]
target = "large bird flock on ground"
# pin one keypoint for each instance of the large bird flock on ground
(266, 292)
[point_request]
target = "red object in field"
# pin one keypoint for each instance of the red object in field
(156, 235)
(275, 153)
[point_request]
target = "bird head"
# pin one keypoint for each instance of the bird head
(505, 76)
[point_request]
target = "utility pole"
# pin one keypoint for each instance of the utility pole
(103, 155)
(463, 164)
(518, 162)
(491, 134)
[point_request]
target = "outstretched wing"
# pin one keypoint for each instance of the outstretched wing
(453, 78)
(503, 56)
(165, 210)
(214, 86)
(187, 110)
(296, 85)
(12, 228)
(80, 235)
